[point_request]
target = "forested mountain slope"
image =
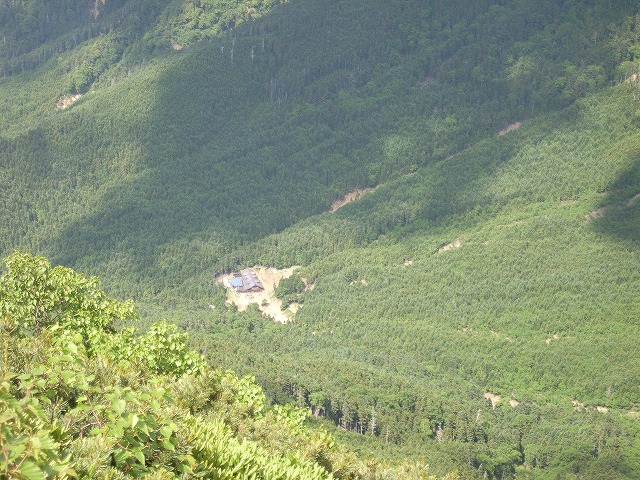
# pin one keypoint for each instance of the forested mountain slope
(294, 109)
(158, 144)
(80, 400)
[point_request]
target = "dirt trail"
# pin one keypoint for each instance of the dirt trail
(632, 200)
(551, 339)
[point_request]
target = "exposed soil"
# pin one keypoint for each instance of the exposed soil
(579, 407)
(495, 399)
(450, 246)
(294, 307)
(599, 213)
(66, 101)
(510, 128)
(551, 339)
(94, 9)
(267, 302)
(350, 197)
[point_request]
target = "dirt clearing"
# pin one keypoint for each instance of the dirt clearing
(67, 101)
(450, 246)
(599, 213)
(510, 128)
(551, 339)
(495, 399)
(350, 197)
(267, 302)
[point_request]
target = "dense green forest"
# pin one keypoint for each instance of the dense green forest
(478, 309)
(80, 400)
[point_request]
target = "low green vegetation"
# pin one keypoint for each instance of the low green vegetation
(290, 290)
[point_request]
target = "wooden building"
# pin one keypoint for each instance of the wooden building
(246, 280)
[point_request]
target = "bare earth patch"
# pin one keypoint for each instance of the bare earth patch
(350, 197)
(94, 9)
(495, 399)
(579, 407)
(294, 307)
(67, 101)
(599, 213)
(510, 128)
(551, 339)
(426, 81)
(450, 246)
(267, 302)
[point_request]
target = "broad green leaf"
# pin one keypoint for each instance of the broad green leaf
(167, 445)
(31, 471)
(139, 456)
(16, 451)
(118, 406)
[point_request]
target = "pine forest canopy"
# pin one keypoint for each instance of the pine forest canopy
(476, 309)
